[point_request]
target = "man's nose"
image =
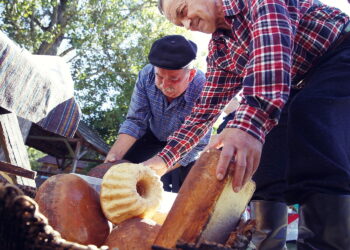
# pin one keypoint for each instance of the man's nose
(186, 23)
(166, 83)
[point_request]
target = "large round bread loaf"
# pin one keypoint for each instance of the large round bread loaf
(133, 234)
(130, 190)
(73, 209)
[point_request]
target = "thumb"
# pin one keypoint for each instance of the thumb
(110, 159)
(215, 142)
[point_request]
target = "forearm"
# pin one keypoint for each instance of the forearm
(123, 143)
(195, 152)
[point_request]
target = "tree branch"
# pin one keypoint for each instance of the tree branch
(37, 22)
(66, 51)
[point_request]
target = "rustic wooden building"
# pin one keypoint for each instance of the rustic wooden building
(85, 146)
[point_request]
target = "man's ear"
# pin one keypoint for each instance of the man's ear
(192, 74)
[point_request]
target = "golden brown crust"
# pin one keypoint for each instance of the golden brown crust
(129, 190)
(73, 209)
(132, 234)
(203, 207)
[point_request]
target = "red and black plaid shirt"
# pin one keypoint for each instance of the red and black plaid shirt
(271, 44)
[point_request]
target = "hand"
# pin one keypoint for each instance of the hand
(157, 164)
(111, 157)
(240, 150)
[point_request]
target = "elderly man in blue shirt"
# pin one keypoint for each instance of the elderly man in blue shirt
(164, 94)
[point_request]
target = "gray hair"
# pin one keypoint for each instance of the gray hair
(160, 6)
(190, 65)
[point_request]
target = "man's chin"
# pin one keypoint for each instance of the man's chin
(206, 30)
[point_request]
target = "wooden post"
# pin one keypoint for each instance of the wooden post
(76, 156)
(12, 143)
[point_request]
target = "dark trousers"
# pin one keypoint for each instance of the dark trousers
(147, 147)
(309, 150)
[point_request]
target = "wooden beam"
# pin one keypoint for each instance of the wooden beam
(62, 139)
(13, 145)
(51, 138)
(89, 160)
(19, 171)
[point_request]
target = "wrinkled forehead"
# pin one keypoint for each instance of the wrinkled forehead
(170, 72)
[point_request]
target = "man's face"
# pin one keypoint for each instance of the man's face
(173, 83)
(196, 15)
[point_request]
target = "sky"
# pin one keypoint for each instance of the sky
(202, 39)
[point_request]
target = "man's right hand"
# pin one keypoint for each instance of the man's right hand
(120, 147)
(111, 157)
(241, 151)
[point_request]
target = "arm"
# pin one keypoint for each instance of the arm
(265, 90)
(220, 87)
(194, 153)
(135, 124)
(120, 147)
(139, 113)
(267, 82)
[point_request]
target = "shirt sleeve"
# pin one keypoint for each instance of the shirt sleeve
(136, 122)
(195, 152)
(266, 85)
(219, 89)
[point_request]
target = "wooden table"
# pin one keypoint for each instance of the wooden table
(38, 89)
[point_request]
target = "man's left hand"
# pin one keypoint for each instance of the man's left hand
(157, 164)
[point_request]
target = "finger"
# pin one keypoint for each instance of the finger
(224, 161)
(256, 162)
(214, 143)
(109, 159)
(249, 170)
(239, 171)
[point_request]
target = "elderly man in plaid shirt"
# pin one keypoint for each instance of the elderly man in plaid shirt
(291, 60)
(165, 93)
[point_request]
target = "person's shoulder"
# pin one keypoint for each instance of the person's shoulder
(199, 78)
(146, 75)
(148, 69)
(196, 87)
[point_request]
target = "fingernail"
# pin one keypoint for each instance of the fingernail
(220, 176)
(236, 189)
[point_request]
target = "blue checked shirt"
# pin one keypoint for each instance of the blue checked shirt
(150, 109)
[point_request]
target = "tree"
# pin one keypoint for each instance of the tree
(106, 42)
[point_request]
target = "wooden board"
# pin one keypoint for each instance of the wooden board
(12, 143)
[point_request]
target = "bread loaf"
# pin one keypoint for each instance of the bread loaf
(73, 209)
(129, 190)
(205, 209)
(133, 234)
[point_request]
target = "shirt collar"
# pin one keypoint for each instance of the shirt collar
(231, 7)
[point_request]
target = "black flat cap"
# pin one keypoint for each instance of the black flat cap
(172, 52)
